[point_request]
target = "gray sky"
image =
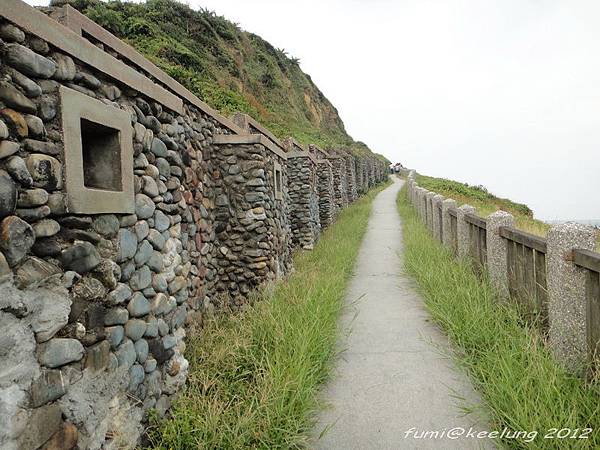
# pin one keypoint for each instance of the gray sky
(502, 93)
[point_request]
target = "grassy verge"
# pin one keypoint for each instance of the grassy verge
(254, 376)
(523, 388)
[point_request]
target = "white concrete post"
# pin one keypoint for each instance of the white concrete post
(447, 238)
(462, 228)
(497, 249)
(567, 307)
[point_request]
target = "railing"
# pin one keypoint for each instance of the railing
(543, 277)
(478, 241)
(591, 262)
(526, 265)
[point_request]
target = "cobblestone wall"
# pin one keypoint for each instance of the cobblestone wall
(340, 184)
(304, 196)
(96, 303)
(178, 211)
(251, 221)
(350, 177)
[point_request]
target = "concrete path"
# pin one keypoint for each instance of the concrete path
(392, 375)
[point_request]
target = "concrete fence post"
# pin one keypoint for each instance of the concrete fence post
(462, 229)
(567, 307)
(497, 249)
(429, 198)
(436, 202)
(447, 238)
(419, 202)
(423, 205)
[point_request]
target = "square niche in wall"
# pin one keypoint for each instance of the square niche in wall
(98, 152)
(278, 180)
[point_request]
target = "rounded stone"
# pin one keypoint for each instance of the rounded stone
(16, 122)
(138, 305)
(141, 349)
(143, 253)
(8, 148)
(115, 335)
(106, 225)
(65, 67)
(150, 187)
(140, 279)
(60, 351)
(17, 167)
(150, 365)
(8, 194)
(16, 239)
(35, 126)
(158, 147)
(135, 329)
(10, 33)
(45, 170)
(159, 283)
(46, 228)
(127, 244)
(144, 206)
(116, 316)
(32, 197)
(151, 328)
(126, 354)
(13, 98)
(29, 62)
(141, 229)
(136, 376)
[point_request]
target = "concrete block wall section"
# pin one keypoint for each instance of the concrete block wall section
(568, 297)
(97, 295)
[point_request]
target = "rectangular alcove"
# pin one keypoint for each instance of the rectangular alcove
(98, 152)
(278, 181)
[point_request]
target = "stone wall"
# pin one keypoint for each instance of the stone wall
(251, 221)
(128, 210)
(352, 193)
(93, 320)
(304, 195)
(340, 184)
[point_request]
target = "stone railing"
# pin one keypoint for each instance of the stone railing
(554, 280)
(128, 210)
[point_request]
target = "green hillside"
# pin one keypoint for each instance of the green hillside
(230, 69)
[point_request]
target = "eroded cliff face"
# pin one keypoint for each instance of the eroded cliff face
(231, 69)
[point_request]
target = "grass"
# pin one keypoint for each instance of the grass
(522, 386)
(485, 202)
(255, 376)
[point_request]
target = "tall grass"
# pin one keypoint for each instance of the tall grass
(522, 386)
(254, 376)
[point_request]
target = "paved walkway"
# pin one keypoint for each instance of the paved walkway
(392, 375)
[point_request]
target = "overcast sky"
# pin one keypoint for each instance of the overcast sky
(500, 93)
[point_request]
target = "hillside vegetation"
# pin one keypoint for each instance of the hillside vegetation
(484, 202)
(230, 69)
